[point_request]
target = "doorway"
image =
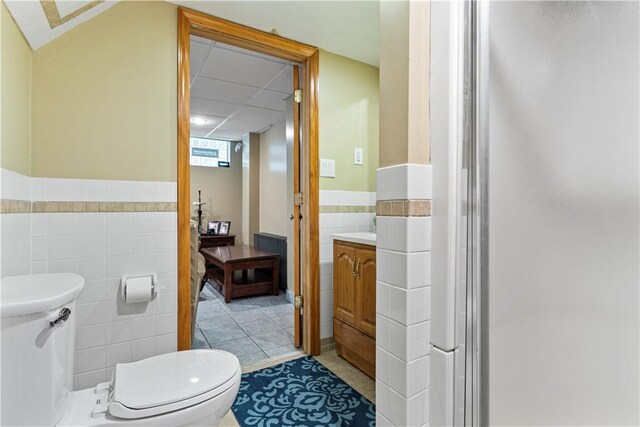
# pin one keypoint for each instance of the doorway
(304, 206)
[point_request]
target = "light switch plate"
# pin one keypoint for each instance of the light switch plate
(327, 168)
(358, 154)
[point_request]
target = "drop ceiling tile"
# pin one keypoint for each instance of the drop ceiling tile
(202, 40)
(283, 82)
(255, 114)
(198, 131)
(230, 134)
(217, 90)
(240, 68)
(245, 125)
(212, 108)
(198, 55)
(211, 120)
(269, 99)
(203, 130)
(252, 53)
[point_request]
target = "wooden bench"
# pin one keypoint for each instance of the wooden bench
(260, 271)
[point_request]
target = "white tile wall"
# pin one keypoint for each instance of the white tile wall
(347, 198)
(101, 247)
(338, 223)
(15, 229)
(14, 186)
(406, 181)
(403, 303)
(442, 380)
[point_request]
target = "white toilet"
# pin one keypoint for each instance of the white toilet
(188, 388)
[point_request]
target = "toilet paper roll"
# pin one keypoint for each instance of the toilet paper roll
(138, 289)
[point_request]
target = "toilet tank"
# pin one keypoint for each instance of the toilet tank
(37, 346)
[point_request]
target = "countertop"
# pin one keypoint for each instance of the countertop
(364, 238)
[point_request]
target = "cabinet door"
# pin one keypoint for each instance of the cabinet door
(366, 291)
(344, 290)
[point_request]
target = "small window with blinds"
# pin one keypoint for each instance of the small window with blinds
(211, 153)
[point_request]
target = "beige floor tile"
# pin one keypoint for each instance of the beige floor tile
(357, 379)
(229, 420)
(272, 362)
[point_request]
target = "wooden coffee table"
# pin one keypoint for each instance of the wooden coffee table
(260, 271)
(211, 241)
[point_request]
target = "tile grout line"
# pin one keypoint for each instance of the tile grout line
(229, 313)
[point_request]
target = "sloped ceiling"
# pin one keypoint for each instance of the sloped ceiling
(348, 28)
(43, 21)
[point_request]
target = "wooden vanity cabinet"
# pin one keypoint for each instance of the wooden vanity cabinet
(354, 304)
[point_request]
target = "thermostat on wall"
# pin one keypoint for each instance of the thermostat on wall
(358, 155)
(327, 168)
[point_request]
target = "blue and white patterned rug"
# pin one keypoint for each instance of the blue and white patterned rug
(301, 392)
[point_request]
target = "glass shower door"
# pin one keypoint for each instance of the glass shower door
(554, 195)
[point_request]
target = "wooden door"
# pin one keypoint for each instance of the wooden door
(366, 291)
(344, 290)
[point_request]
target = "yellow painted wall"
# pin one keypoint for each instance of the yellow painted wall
(348, 118)
(250, 186)
(273, 181)
(104, 103)
(221, 191)
(15, 76)
(104, 97)
(404, 82)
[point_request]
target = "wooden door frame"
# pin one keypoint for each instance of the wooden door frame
(192, 22)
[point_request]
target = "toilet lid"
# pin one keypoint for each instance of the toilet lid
(171, 378)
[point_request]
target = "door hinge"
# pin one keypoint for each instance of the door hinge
(297, 96)
(297, 301)
(298, 199)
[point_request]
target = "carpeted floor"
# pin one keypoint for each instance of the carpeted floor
(300, 392)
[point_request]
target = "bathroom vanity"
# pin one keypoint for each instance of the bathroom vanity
(354, 299)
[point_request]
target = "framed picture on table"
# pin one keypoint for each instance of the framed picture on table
(213, 227)
(225, 226)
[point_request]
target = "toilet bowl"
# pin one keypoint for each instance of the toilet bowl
(188, 388)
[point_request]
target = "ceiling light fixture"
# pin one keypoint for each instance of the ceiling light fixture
(199, 121)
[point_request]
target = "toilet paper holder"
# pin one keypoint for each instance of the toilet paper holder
(123, 285)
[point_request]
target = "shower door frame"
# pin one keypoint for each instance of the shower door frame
(476, 144)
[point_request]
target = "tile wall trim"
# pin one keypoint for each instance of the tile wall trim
(327, 344)
(106, 207)
(9, 206)
(347, 209)
(404, 207)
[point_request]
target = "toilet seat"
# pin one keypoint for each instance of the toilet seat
(170, 382)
